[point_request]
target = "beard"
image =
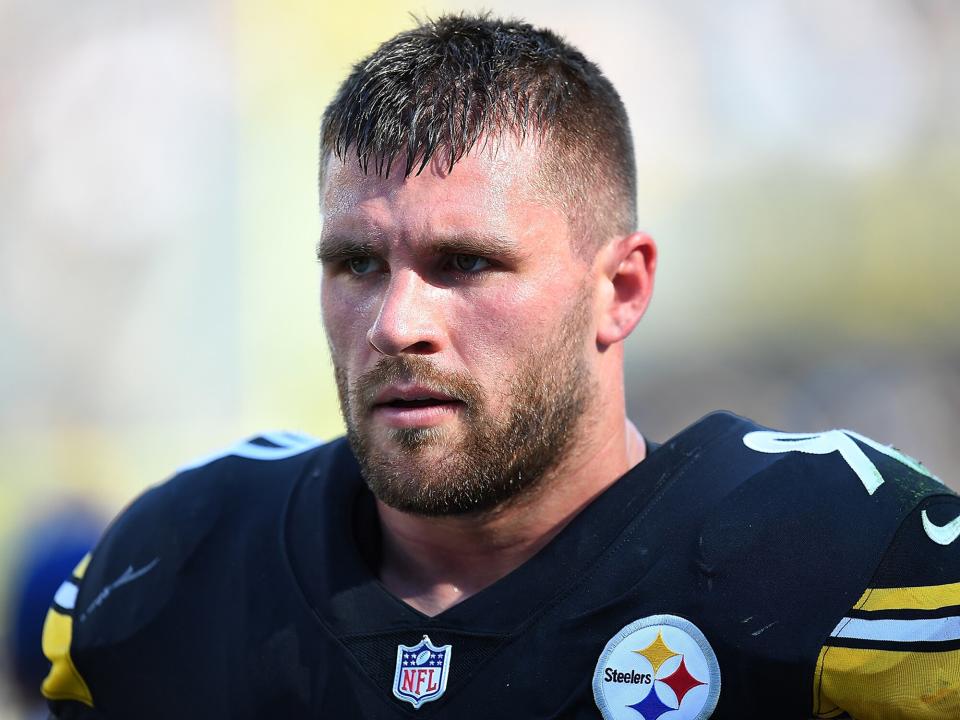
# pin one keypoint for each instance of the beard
(495, 459)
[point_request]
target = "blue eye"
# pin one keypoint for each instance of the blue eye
(469, 263)
(362, 265)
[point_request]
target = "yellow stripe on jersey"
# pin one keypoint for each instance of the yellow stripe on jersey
(914, 598)
(63, 682)
(891, 685)
(886, 680)
(81, 567)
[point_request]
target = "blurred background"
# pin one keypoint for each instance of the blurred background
(799, 164)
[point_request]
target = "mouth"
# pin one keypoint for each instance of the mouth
(418, 402)
(415, 407)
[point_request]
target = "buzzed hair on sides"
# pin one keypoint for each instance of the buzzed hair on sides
(430, 94)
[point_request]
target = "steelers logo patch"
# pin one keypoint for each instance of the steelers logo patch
(657, 668)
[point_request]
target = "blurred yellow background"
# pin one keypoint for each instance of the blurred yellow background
(799, 165)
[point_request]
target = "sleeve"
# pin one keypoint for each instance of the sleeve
(115, 592)
(101, 631)
(896, 654)
(64, 687)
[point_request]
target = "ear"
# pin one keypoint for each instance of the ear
(629, 264)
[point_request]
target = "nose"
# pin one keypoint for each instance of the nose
(406, 322)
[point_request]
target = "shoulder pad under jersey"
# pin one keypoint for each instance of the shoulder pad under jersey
(139, 557)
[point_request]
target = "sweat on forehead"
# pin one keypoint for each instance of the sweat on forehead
(488, 204)
(496, 167)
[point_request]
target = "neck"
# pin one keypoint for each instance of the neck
(432, 563)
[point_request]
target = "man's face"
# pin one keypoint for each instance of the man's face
(459, 321)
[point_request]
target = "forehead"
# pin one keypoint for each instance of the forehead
(494, 186)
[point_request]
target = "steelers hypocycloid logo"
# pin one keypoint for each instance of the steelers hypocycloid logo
(657, 668)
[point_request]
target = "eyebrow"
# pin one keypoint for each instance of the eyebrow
(338, 247)
(484, 245)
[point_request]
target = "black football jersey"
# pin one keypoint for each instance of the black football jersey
(734, 573)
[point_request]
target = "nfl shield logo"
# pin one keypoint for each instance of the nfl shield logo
(422, 671)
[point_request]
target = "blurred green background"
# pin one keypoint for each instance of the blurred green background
(799, 165)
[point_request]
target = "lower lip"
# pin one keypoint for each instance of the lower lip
(412, 417)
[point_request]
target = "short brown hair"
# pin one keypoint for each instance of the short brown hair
(431, 93)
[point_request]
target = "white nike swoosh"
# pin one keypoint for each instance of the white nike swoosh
(128, 576)
(941, 534)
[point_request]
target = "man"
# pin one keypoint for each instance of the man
(496, 539)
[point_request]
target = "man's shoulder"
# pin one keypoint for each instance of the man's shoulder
(210, 537)
(240, 491)
(261, 452)
(827, 546)
(232, 479)
(786, 493)
(818, 462)
(239, 479)
(816, 513)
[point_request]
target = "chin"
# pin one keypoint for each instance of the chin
(421, 439)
